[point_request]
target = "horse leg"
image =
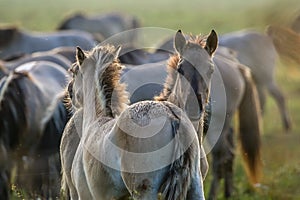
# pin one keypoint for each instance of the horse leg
(217, 165)
(203, 162)
(281, 103)
(229, 165)
(214, 185)
(78, 176)
(262, 97)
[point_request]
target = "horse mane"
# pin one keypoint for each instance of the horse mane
(12, 116)
(171, 77)
(198, 39)
(172, 68)
(68, 92)
(67, 99)
(112, 94)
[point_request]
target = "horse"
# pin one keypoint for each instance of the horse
(240, 95)
(101, 26)
(32, 118)
(249, 46)
(125, 177)
(72, 133)
(38, 56)
(4, 172)
(257, 51)
(15, 41)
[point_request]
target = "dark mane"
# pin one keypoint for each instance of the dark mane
(13, 118)
(67, 100)
(68, 92)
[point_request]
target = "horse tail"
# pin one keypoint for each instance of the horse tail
(250, 128)
(286, 42)
(178, 181)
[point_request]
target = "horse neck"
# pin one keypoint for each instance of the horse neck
(173, 93)
(92, 105)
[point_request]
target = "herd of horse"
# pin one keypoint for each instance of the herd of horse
(82, 119)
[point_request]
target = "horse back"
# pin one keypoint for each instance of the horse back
(48, 76)
(255, 50)
(152, 130)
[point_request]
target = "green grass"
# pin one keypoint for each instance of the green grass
(281, 151)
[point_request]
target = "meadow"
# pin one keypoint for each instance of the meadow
(281, 151)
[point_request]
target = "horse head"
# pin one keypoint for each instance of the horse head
(190, 72)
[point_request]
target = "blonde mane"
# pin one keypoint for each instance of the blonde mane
(171, 77)
(112, 95)
(198, 39)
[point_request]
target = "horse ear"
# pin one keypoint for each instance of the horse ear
(179, 42)
(211, 42)
(80, 56)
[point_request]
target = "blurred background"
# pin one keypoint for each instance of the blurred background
(281, 150)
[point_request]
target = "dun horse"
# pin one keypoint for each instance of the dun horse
(32, 118)
(240, 91)
(106, 120)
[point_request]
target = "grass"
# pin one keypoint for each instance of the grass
(280, 151)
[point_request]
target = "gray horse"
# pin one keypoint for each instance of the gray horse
(145, 81)
(32, 119)
(101, 26)
(15, 42)
(257, 51)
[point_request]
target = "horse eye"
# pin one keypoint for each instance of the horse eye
(180, 70)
